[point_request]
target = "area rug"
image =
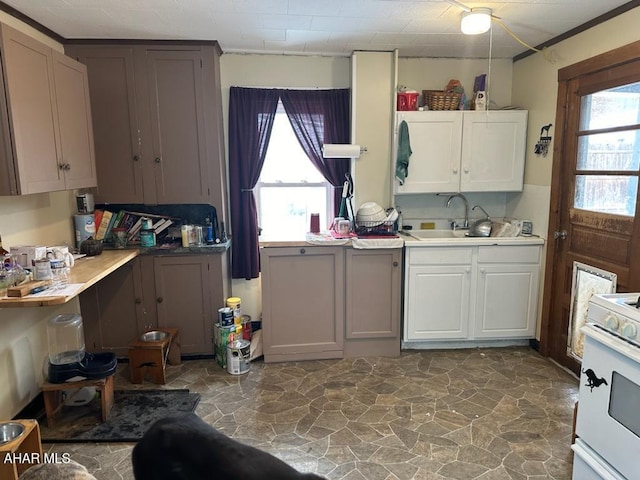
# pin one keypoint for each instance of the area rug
(133, 412)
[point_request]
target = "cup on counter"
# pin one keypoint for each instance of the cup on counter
(343, 227)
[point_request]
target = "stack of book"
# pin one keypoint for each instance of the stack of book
(106, 221)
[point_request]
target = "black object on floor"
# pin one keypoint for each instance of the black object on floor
(133, 412)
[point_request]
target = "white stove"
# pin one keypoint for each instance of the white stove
(608, 424)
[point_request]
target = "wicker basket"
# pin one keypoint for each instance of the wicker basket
(438, 100)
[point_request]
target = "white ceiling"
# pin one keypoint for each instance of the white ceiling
(417, 28)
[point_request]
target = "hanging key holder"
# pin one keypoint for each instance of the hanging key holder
(542, 147)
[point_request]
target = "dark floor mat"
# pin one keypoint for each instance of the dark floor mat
(133, 412)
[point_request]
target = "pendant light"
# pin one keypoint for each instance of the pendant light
(476, 21)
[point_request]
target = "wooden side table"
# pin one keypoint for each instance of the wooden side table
(53, 401)
(26, 447)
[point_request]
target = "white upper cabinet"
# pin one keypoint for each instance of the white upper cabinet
(463, 151)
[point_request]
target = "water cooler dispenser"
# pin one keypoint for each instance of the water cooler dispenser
(68, 360)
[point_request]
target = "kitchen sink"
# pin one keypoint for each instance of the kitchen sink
(428, 234)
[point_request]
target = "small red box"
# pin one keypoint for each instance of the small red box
(407, 101)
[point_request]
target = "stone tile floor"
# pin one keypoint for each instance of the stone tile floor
(487, 414)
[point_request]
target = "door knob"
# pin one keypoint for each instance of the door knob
(560, 234)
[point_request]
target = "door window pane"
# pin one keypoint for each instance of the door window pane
(609, 151)
(609, 141)
(614, 194)
(615, 107)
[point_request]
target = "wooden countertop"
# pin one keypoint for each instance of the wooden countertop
(87, 271)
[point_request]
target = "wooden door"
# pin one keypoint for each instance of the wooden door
(30, 88)
(183, 299)
(493, 150)
(74, 117)
(594, 191)
(118, 144)
(176, 102)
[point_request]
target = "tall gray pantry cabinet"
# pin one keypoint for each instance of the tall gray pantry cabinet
(159, 140)
(157, 113)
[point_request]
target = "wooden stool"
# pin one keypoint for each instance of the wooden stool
(26, 444)
(53, 401)
(151, 357)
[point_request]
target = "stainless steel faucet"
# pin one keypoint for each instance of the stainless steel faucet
(465, 225)
(483, 210)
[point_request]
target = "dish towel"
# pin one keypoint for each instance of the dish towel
(404, 152)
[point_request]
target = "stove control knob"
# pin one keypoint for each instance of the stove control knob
(629, 330)
(612, 322)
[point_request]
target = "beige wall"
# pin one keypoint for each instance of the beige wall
(373, 82)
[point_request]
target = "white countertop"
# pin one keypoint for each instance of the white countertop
(461, 241)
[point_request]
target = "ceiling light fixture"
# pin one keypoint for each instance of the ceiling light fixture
(476, 21)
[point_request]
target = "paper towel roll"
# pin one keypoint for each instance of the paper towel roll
(340, 151)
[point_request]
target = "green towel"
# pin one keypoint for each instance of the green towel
(404, 152)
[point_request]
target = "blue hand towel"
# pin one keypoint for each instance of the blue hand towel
(404, 152)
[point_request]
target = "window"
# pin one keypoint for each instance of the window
(290, 187)
(608, 155)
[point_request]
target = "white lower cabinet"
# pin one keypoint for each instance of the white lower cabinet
(437, 290)
(471, 293)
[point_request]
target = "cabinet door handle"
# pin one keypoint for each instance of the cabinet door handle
(302, 250)
(138, 301)
(483, 271)
(61, 166)
(159, 299)
(467, 270)
(395, 264)
(67, 166)
(466, 170)
(455, 170)
(136, 158)
(157, 160)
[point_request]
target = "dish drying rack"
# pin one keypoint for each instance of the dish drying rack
(375, 229)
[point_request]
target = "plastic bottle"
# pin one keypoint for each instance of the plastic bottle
(184, 233)
(209, 231)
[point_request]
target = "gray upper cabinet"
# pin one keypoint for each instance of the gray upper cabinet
(115, 122)
(46, 121)
(158, 122)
